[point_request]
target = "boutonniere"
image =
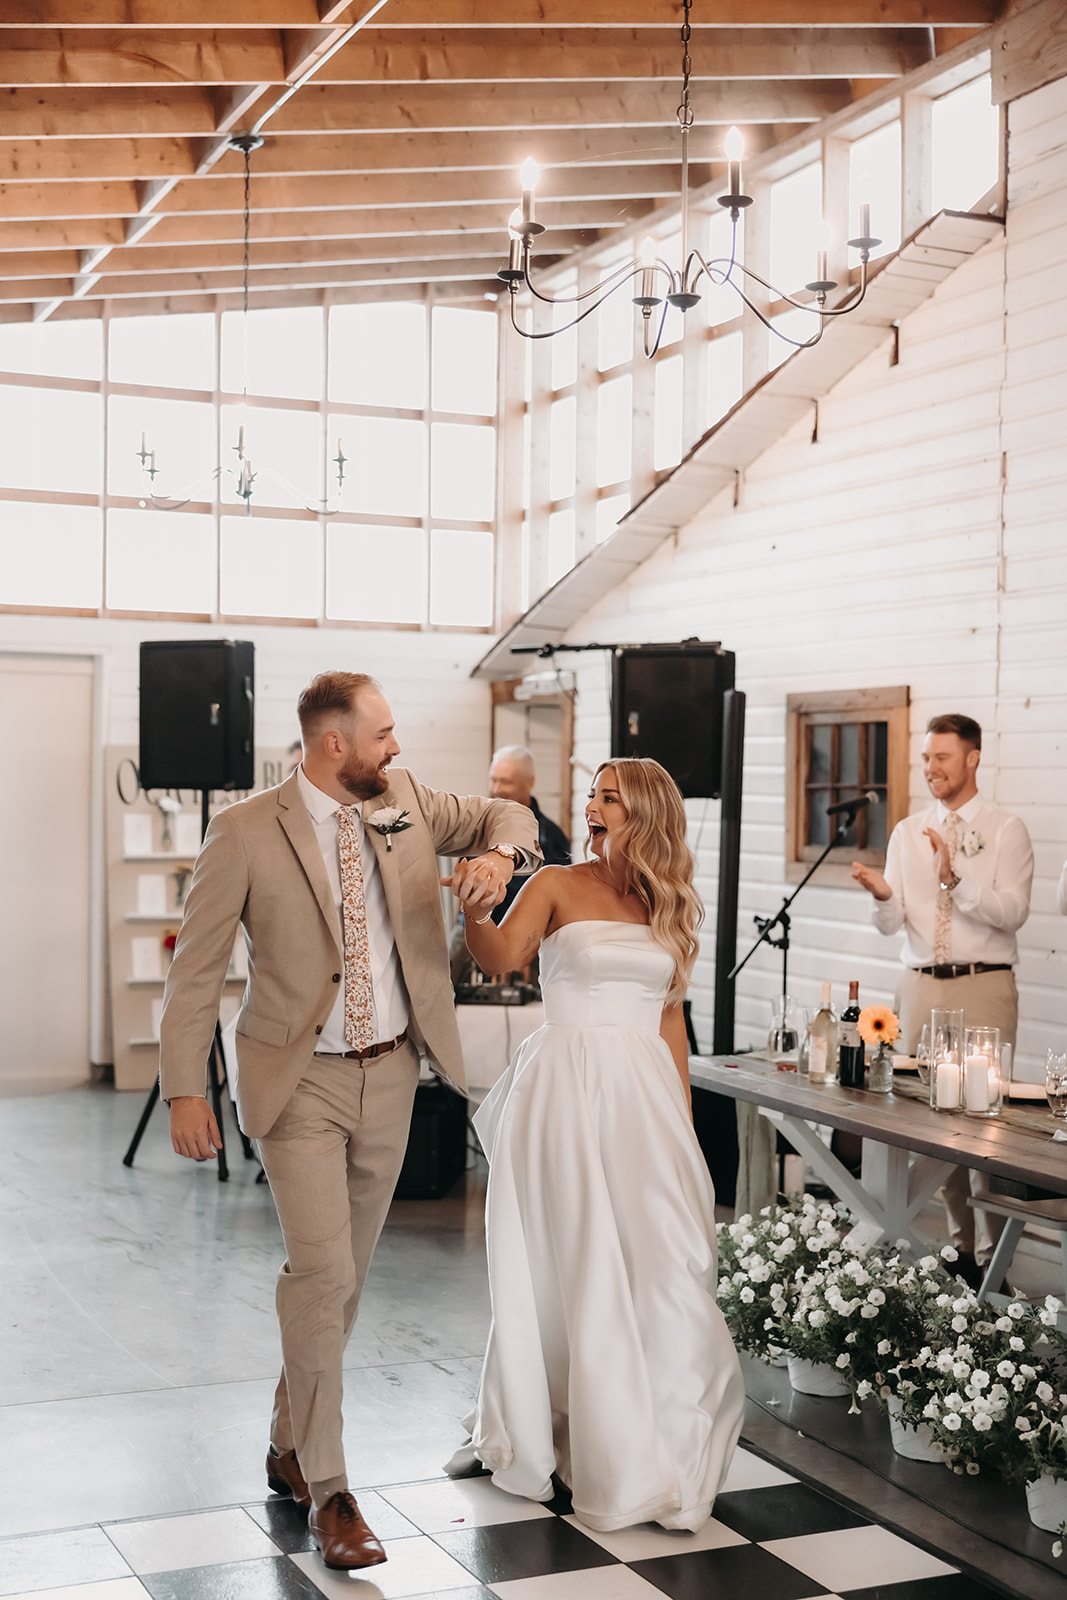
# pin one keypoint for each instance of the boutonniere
(389, 820)
(972, 843)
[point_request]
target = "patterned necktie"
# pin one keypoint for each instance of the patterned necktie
(359, 997)
(943, 910)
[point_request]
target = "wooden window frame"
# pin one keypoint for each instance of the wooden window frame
(890, 705)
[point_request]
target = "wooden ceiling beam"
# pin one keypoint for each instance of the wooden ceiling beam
(91, 58)
(275, 224)
(76, 113)
(305, 14)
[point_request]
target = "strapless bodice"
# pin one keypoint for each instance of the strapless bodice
(604, 975)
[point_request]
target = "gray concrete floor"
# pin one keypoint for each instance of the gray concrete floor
(138, 1339)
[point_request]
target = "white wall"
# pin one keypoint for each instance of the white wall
(442, 715)
(922, 540)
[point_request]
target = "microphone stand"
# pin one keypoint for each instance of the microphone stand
(766, 925)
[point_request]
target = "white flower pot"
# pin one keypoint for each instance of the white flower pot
(914, 1442)
(815, 1377)
(1046, 1501)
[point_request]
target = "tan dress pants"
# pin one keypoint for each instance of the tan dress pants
(332, 1160)
(987, 999)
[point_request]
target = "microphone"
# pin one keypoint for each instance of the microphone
(871, 798)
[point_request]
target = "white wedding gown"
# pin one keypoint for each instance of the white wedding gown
(608, 1358)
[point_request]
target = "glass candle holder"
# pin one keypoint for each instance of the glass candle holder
(983, 1088)
(946, 1061)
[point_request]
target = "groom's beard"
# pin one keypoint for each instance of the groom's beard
(361, 779)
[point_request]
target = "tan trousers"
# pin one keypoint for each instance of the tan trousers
(332, 1161)
(987, 999)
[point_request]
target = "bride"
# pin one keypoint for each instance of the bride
(608, 1361)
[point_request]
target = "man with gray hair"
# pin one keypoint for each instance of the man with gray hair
(511, 777)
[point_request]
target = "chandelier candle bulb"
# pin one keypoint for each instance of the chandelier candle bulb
(735, 149)
(976, 1083)
(528, 174)
(865, 220)
(947, 1078)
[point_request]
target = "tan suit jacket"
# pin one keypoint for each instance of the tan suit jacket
(261, 867)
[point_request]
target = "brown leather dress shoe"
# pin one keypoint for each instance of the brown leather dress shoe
(285, 1477)
(342, 1535)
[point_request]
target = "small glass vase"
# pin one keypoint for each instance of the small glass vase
(880, 1070)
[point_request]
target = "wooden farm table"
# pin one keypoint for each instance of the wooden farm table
(908, 1149)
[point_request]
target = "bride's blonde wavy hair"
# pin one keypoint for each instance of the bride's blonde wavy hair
(650, 855)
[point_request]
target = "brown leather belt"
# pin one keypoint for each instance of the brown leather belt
(966, 970)
(369, 1054)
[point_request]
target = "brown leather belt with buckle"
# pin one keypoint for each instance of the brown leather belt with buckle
(966, 970)
(369, 1054)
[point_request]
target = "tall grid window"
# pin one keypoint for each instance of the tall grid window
(404, 392)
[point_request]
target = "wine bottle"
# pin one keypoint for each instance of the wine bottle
(822, 1052)
(850, 1052)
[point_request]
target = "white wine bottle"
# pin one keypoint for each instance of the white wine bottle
(822, 1057)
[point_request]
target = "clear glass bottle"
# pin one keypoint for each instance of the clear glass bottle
(822, 1051)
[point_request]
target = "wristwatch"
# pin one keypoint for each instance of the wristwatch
(952, 882)
(508, 851)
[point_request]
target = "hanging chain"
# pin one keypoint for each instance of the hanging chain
(248, 219)
(685, 112)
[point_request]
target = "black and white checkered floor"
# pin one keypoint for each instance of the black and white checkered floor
(771, 1538)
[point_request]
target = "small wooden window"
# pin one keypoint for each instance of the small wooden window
(841, 745)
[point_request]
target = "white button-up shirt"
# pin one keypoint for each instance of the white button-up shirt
(995, 863)
(391, 1004)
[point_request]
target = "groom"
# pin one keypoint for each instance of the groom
(333, 878)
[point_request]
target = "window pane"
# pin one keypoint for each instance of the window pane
(160, 561)
(723, 300)
(180, 433)
(387, 470)
(378, 355)
(270, 567)
(565, 345)
(464, 361)
(285, 449)
(820, 754)
(560, 544)
(50, 555)
(796, 211)
(966, 146)
(613, 425)
(848, 758)
(283, 355)
(54, 349)
(609, 513)
(461, 579)
(667, 444)
(877, 752)
(561, 449)
(50, 439)
(615, 326)
(172, 352)
(375, 574)
(874, 179)
(724, 375)
(462, 472)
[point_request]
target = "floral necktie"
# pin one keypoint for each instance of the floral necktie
(359, 996)
(943, 910)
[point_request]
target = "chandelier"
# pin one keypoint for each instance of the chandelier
(242, 471)
(658, 283)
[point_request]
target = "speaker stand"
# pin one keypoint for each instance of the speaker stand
(216, 1071)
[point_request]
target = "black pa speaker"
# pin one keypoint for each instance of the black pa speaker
(197, 714)
(666, 702)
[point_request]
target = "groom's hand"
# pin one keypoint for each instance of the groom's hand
(479, 885)
(193, 1129)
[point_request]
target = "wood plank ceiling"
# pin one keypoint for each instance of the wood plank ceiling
(392, 131)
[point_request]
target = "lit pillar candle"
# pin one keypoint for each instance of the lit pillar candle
(976, 1083)
(528, 174)
(947, 1086)
(735, 149)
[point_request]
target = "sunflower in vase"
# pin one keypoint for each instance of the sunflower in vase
(880, 1027)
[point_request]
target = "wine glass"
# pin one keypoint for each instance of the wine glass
(1056, 1082)
(922, 1054)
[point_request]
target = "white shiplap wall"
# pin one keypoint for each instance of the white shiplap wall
(921, 540)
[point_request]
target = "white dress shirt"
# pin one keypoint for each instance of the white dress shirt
(391, 1004)
(995, 863)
